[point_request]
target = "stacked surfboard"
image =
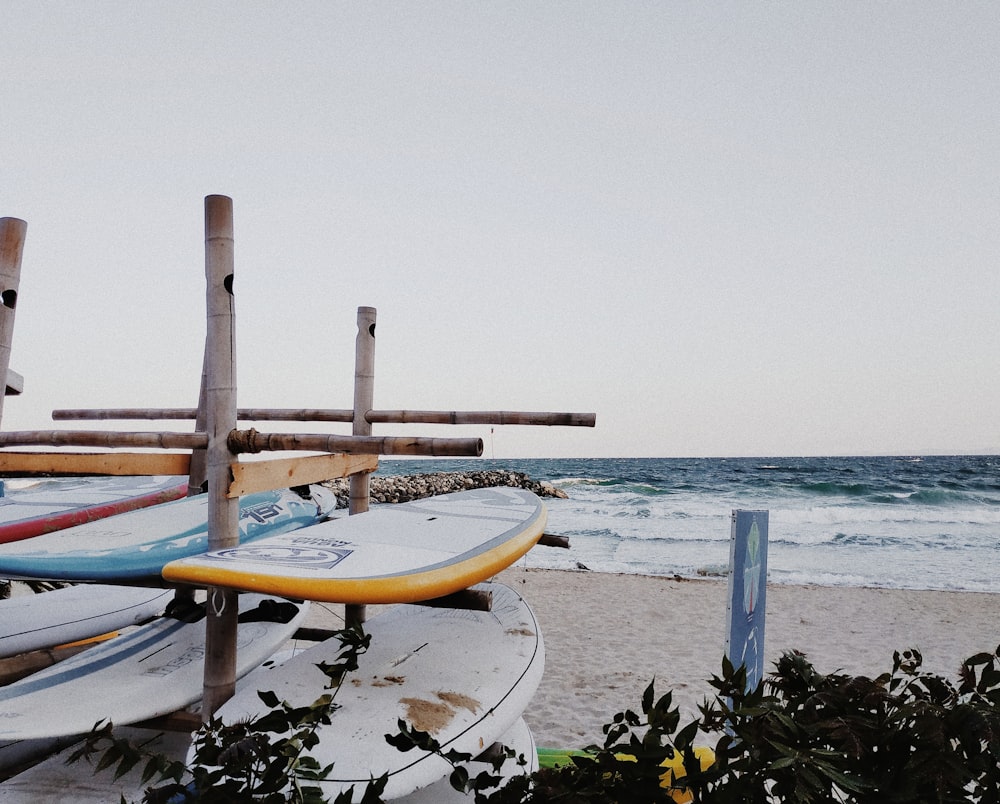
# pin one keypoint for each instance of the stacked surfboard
(122, 679)
(463, 676)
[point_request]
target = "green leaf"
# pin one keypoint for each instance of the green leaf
(269, 699)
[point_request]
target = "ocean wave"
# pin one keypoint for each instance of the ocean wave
(569, 482)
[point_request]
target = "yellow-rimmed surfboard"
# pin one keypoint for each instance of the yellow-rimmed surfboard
(392, 554)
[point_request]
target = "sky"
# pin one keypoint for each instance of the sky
(726, 229)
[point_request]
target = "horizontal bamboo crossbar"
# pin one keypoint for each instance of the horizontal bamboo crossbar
(241, 441)
(94, 463)
(281, 473)
(495, 417)
(481, 417)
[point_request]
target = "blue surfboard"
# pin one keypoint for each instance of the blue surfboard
(132, 548)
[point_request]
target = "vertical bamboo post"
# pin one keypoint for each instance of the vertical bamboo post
(220, 416)
(364, 393)
(12, 232)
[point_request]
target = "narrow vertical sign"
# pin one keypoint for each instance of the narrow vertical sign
(747, 593)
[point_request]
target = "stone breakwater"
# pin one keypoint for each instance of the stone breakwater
(403, 488)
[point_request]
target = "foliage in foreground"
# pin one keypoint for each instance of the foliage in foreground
(905, 737)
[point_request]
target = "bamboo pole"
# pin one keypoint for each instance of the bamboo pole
(493, 417)
(12, 233)
(252, 441)
(247, 441)
(364, 394)
(482, 417)
(220, 419)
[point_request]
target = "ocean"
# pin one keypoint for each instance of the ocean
(921, 522)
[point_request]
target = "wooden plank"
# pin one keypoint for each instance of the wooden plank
(182, 721)
(552, 540)
(93, 463)
(282, 473)
(24, 664)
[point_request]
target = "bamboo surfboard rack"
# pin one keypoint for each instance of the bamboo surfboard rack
(213, 449)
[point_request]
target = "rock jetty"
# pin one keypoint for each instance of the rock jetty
(403, 488)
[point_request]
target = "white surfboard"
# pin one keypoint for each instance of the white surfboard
(32, 622)
(392, 554)
(132, 548)
(463, 676)
(53, 781)
(156, 669)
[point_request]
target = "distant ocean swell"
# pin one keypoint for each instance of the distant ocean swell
(900, 522)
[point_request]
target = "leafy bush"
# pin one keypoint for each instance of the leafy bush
(904, 737)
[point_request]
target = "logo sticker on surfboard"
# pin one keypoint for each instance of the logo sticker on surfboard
(289, 556)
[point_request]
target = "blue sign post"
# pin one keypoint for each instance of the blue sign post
(747, 593)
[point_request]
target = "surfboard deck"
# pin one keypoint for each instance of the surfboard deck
(463, 676)
(153, 670)
(32, 622)
(132, 548)
(398, 553)
(51, 504)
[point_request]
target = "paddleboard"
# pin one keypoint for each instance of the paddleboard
(31, 507)
(463, 676)
(132, 548)
(31, 622)
(391, 554)
(153, 670)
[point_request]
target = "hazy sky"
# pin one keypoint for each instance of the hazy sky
(726, 228)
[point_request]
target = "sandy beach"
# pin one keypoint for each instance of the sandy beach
(606, 636)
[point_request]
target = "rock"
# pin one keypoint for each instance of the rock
(403, 488)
